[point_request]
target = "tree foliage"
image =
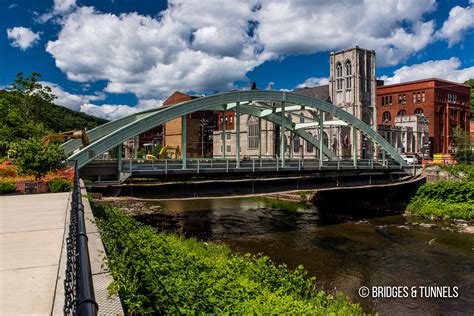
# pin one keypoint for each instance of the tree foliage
(28, 110)
(31, 157)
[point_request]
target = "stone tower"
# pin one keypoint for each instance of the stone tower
(352, 86)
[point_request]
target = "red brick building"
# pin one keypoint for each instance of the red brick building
(444, 103)
(198, 128)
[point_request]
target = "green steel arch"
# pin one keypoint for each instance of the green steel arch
(110, 135)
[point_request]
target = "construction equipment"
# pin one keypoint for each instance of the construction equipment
(150, 157)
(174, 150)
(61, 137)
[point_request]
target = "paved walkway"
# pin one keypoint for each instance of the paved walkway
(32, 231)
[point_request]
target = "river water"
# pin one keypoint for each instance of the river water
(384, 251)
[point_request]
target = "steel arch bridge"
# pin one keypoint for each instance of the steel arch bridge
(266, 104)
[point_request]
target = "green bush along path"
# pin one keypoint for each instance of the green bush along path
(161, 273)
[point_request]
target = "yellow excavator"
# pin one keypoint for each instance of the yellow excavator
(61, 137)
(174, 152)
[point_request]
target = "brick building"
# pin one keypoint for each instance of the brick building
(445, 104)
(199, 127)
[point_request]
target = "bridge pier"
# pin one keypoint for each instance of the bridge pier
(321, 134)
(354, 146)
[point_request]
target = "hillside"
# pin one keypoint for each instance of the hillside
(28, 110)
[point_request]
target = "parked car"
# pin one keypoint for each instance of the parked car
(410, 159)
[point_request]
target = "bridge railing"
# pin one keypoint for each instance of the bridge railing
(79, 296)
(252, 165)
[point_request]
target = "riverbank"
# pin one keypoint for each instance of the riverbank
(164, 273)
(450, 198)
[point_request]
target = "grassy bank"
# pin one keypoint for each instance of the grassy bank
(164, 273)
(447, 199)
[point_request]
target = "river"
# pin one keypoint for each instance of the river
(385, 251)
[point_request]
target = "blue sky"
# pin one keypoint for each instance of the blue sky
(111, 58)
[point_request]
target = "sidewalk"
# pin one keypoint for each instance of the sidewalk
(32, 231)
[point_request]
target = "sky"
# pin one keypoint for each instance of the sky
(112, 58)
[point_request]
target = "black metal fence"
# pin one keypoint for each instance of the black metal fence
(78, 287)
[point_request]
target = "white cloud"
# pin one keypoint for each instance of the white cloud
(448, 69)
(60, 8)
(187, 48)
(395, 29)
(313, 82)
(69, 100)
(108, 111)
(200, 46)
(115, 111)
(22, 37)
(460, 21)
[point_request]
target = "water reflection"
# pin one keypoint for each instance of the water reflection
(381, 251)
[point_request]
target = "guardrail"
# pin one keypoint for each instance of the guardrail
(78, 287)
(251, 165)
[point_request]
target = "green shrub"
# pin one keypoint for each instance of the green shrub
(444, 199)
(7, 186)
(157, 273)
(59, 185)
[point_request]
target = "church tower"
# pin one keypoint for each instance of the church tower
(352, 87)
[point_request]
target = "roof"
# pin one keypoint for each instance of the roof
(422, 80)
(319, 92)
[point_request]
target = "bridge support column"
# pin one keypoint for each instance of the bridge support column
(383, 157)
(321, 134)
(224, 122)
(282, 134)
(260, 138)
(354, 146)
(237, 135)
(183, 141)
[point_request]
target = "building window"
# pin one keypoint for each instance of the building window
(228, 136)
(296, 144)
(252, 132)
(419, 111)
(309, 146)
(423, 96)
(339, 78)
(325, 139)
(348, 75)
(402, 113)
(228, 148)
(404, 99)
(390, 100)
(386, 117)
(301, 118)
(383, 100)
(414, 97)
(399, 99)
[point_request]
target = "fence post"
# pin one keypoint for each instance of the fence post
(253, 165)
(198, 166)
(166, 166)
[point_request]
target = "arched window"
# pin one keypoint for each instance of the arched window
(253, 132)
(325, 139)
(296, 144)
(419, 111)
(386, 117)
(309, 146)
(348, 75)
(339, 78)
(402, 113)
